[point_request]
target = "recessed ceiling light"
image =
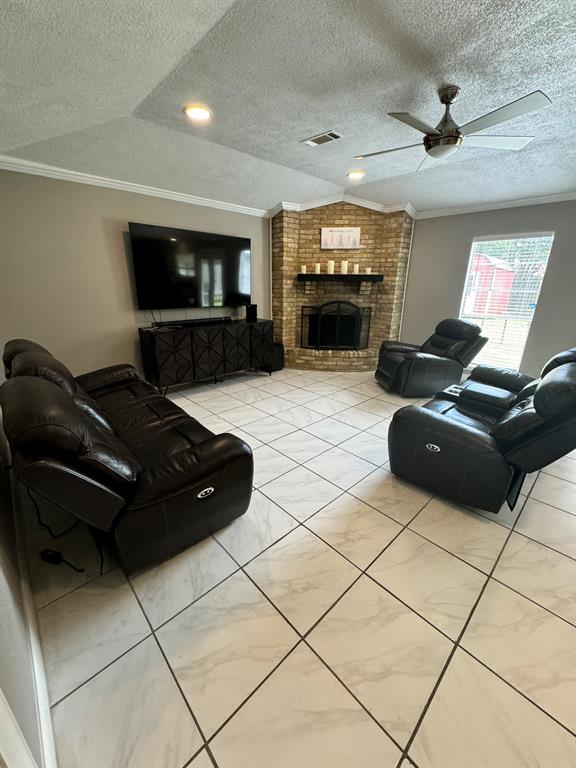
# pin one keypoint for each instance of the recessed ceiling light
(356, 175)
(198, 113)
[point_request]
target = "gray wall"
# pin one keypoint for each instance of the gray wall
(64, 271)
(439, 260)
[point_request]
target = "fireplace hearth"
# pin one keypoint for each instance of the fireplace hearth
(335, 325)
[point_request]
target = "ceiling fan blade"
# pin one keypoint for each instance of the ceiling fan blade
(522, 106)
(413, 122)
(386, 151)
(428, 162)
(498, 142)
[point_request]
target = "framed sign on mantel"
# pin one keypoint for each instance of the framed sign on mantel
(340, 238)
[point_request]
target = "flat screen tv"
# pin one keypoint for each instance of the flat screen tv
(178, 268)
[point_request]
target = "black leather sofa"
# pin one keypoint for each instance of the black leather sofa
(476, 446)
(421, 370)
(108, 448)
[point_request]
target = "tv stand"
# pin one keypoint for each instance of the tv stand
(200, 350)
(194, 322)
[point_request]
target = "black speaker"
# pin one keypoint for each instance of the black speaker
(251, 313)
(278, 357)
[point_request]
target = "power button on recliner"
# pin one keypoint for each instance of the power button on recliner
(433, 447)
(205, 492)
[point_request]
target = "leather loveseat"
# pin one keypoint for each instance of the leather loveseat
(413, 370)
(111, 450)
(476, 446)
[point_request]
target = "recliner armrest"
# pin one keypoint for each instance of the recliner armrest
(484, 397)
(443, 428)
(106, 377)
(190, 469)
(426, 357)
(399, 346)
(504, 378)
(427, 363)
(69, 489)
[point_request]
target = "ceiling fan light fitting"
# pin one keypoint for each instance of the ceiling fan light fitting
(442, 146)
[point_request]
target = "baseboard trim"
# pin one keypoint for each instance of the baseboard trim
(14, 749)
(48, 745)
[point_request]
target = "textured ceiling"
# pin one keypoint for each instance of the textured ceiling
(99, 87)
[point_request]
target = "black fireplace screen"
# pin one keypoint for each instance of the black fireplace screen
(335, 325)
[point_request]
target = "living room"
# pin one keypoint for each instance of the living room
(288, 457)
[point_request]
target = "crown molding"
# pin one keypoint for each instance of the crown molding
(411, 211)
(522, 203)
(18, 165)
(342, 198)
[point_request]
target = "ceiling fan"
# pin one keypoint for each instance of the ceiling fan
(447, 137)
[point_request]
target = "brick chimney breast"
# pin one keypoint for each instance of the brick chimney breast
(385, 240)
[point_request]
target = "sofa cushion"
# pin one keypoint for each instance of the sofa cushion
(111, 377)
(452, 338)
(40, 419)
(45, 366)
(153, 427)
(504, 378)
(555, 395)
(15, 347)
(91, 409)
(567, 356)
(454, 328)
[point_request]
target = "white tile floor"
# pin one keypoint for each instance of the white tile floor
(347, 620)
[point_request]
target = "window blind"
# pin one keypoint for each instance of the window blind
(501, 293)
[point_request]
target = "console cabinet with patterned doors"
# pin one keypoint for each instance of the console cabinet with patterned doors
(177, 354)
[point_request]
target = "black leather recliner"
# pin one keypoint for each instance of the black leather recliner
(417, 371)
(111, 450)
(476, 447)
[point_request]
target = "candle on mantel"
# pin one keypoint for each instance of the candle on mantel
(368, 270)
(330, 267)
(303, 268)
(356, 268)
(343, 267)
(317, 267)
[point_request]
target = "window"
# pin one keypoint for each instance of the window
(501, 293)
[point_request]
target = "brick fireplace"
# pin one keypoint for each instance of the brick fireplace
(384, 247)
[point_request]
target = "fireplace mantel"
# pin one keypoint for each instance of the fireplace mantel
(313, 277)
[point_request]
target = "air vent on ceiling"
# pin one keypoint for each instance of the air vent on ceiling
(322, 138)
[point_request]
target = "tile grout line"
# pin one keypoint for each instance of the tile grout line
(457, 645)
(521, 693)
(75, 589)
(109, 664)
(302, 640)
(176, 681)
(303, 636)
